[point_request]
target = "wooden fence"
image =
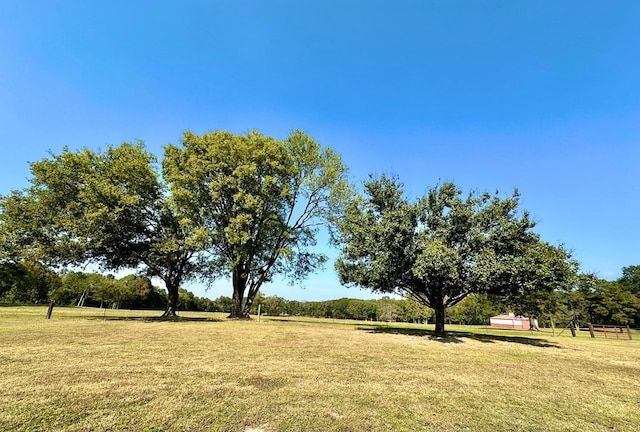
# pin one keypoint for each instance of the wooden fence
(609, 331)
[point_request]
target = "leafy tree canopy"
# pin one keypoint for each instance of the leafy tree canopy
(258, 200)
(26, 282)
(444, 246)
(631, 278)
(108, 208)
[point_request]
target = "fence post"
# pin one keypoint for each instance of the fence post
(593, 334)
(629, 332)
(50, 311)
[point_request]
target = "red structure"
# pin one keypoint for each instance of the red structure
(510, 321)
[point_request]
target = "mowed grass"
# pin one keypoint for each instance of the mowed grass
(96, 370)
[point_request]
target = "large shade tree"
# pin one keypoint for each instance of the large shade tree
(106, 208)
(258, 200)
(444, 246)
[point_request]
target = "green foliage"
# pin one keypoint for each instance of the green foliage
(251, 205)
(384, 309)
(10, 275)
(274, 306)
(591, 300)
(475, 309)
(257, 200)
(223, 304)
(94, 289)
(542, 274)
(611, 302)
(630, 279)
(26, 282)
(143, 294)
(78, 288)
(444, 246)
(362, 310)
(107, 208)
(187, 301)
(84, 206)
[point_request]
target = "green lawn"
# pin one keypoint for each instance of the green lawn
(91, 369)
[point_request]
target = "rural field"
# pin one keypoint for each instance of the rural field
(104, 370)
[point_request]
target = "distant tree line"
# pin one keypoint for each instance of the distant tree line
(384, 309)
(591, 300)
(22, 283)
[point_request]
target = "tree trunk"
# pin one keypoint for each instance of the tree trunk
(239, 285)
(248, 303)
(172, 301)
(440, 316)
(83, 298)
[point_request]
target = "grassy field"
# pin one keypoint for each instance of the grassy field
(104, 370)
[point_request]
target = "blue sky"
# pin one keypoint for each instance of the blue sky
(543, 96)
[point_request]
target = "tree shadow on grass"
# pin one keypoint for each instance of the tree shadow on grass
(154, 319)
(321, 321)
(459, 336)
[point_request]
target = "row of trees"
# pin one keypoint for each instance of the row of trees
(384, 309)
(94, 289)
(27, 282)
(591, 300)
(32, 283)
(219, 204)
(249, 207)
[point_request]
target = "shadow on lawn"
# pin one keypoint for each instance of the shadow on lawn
(155, 319)
(458, 336)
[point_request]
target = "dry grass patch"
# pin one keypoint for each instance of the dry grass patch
(81, 372)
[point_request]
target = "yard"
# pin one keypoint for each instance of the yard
(104, 370)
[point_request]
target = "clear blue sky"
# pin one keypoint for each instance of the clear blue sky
(539, 95)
